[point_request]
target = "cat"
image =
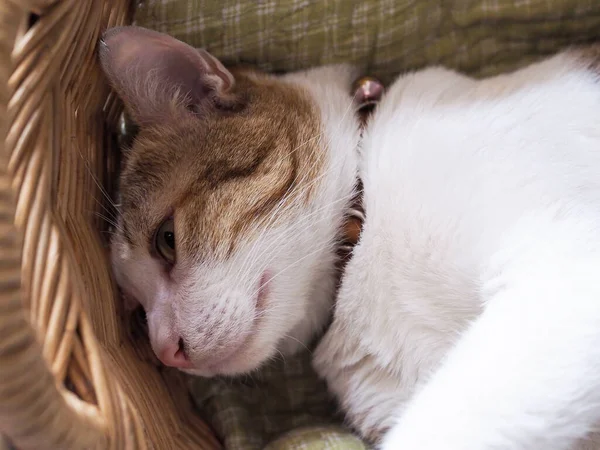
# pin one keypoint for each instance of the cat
(468, 316)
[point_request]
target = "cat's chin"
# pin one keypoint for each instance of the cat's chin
(241, 360)
(224, 369)
(219, 369)
(204, 373)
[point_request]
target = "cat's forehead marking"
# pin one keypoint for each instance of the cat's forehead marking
(224, 174)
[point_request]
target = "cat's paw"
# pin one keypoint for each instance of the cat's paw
(367, 392)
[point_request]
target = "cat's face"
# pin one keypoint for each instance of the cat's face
(218, 194)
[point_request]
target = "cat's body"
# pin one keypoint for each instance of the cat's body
(479, 196)
(469, 314)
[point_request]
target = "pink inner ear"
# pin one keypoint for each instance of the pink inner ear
(156, 74)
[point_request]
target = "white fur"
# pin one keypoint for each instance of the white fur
(469, 315)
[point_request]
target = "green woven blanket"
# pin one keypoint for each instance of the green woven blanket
(382, 37)
(284, 406)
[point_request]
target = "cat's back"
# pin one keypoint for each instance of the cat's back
(451, 164)
(454, 150)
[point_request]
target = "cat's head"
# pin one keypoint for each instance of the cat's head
(230, 200)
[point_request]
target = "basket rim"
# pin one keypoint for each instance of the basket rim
(57, 330)
(35, 410)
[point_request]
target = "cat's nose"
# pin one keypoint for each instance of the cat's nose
(173, 354)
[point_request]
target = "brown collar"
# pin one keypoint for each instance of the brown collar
(367, 94)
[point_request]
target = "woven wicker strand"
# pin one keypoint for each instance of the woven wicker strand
(69, 377)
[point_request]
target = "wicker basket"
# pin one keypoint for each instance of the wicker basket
(69, 379)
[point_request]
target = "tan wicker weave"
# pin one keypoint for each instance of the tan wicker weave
(69, 379)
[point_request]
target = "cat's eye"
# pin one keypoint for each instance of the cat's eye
(164, 241)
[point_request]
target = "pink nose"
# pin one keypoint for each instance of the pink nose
(173, 355)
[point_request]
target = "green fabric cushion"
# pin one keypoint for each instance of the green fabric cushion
(383, 37)
(282, 405)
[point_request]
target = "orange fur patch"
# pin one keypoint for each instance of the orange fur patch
(223, 172)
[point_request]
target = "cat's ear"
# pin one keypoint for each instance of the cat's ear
(159, 77)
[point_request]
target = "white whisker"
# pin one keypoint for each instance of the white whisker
(109, 221)
(102, 190)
